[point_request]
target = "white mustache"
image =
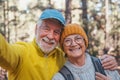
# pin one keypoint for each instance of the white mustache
(48, 40)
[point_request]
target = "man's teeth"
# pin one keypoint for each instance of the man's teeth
(48, 42)
(51, 42)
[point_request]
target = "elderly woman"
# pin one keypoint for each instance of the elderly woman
(80, 65)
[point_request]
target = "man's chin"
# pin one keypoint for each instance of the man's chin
(45, 47)
(47, 50)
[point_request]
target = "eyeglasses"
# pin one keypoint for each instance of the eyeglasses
(69, 41)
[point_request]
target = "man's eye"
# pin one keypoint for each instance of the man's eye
(57, 32)
(45, 28)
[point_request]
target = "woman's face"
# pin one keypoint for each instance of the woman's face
(74, 46)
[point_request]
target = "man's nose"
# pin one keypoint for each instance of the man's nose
(50, 35)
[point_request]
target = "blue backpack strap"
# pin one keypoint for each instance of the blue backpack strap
(98, 65)
(66, 73)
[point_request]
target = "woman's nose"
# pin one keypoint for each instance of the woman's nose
(73, 43)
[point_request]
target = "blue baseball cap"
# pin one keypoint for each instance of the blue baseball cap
(52, 13)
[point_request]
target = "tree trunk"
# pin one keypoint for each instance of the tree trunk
(84, 15)
(68, 11)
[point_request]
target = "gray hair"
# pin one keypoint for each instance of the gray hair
(39, 22)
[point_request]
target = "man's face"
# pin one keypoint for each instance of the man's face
(48, 34)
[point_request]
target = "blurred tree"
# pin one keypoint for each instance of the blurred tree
(68, 11)
(20, 17)
(84, 15)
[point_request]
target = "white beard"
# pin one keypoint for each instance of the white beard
(44, 46)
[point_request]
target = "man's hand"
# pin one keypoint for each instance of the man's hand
(109, 62)
(100, 76)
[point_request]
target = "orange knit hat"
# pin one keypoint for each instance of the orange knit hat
(73, 29)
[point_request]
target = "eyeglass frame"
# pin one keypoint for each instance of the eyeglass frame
(80, 38)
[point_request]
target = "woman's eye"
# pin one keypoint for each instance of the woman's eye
(67, 41)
